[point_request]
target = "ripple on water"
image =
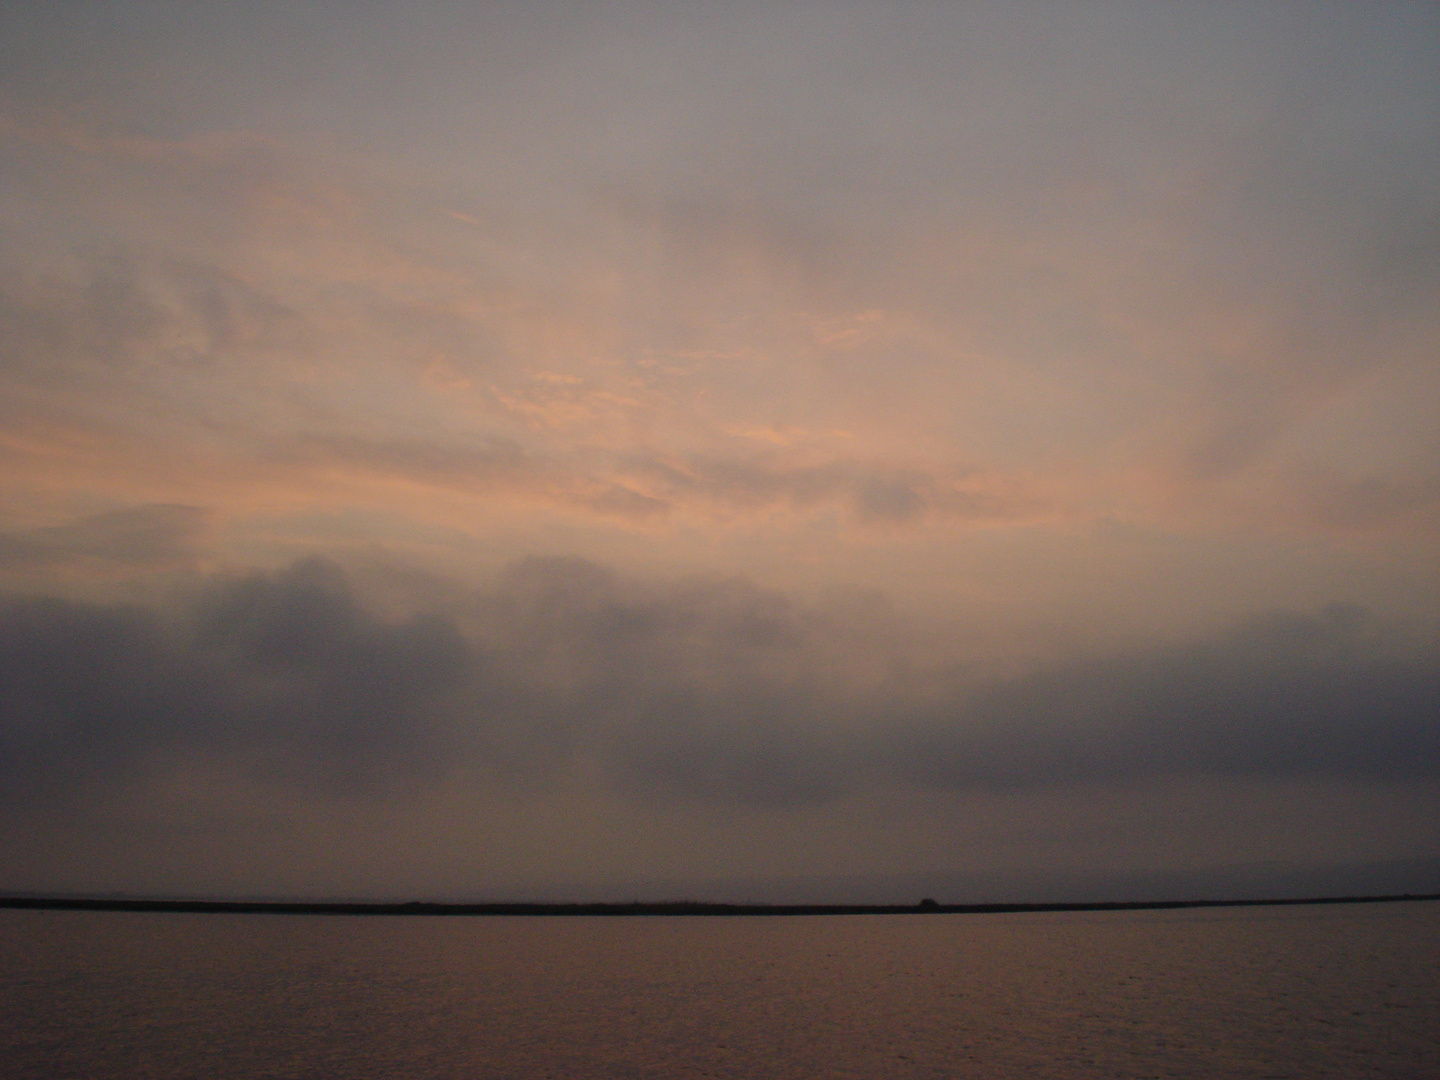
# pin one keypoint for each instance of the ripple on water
(1338, 991)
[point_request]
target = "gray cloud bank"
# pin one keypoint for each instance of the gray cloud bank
(1285, 694)
(716, 691)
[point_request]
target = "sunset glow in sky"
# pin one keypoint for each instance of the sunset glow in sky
(548, 449)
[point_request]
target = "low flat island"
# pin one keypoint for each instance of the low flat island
(639, 907)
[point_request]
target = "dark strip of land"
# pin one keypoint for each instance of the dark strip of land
(678, 907)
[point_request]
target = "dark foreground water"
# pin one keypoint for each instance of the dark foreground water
(1342, 991)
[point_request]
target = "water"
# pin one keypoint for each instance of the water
(1336, 991)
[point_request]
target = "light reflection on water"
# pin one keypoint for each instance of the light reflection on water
(1336, 991)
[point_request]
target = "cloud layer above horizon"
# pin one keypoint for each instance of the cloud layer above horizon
(605, 443)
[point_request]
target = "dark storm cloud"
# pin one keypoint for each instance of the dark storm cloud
(285, 676)
(1285, 695)
(710, 689)
(88, 692)
(713, 690)
(144, 536)
(731, 693)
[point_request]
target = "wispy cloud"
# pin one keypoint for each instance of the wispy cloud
(145, 536)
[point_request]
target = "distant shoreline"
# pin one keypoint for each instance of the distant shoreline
(634, 908)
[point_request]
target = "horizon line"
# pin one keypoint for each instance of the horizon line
(927, 906)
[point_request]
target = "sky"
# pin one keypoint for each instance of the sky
(746, 451)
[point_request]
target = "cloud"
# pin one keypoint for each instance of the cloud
(997, 362)
(198, 363)
(644, 487)
(282, 676)
(1284, 695)
(1107, 326)
(141, 537)
(869, 491)
(485, 467)
(1365, 502)
(116, 335)
(706, 691)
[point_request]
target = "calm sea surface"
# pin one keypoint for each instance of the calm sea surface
(1336, 991)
